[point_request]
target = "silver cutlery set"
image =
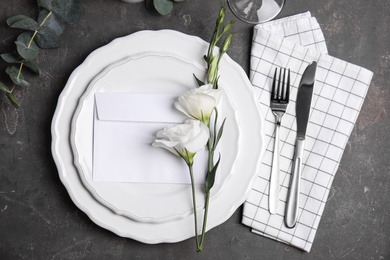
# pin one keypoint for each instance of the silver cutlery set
(279, 101)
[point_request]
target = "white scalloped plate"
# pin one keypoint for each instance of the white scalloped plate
(249, 119)
(148, 73)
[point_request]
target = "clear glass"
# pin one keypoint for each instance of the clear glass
(256, 11)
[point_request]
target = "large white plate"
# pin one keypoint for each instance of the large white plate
(149, 73)
(233, 193)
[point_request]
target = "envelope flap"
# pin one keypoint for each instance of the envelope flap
(137, 107)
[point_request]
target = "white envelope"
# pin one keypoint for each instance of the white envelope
(125, 125)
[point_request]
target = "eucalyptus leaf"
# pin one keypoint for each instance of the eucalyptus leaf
(210, 177)
(163, 7)
(11, 58)
(68, 11)
(51, 21)
(4, 88)
(45, 3)
(27, 48)
(16, 77)
(22, 22)
(13, 100)
(47, 38)
(33, 67)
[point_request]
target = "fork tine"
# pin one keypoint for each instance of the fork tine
(279, 88)
(281, 85)
(283, 94)
(288, 86)
(273, 93)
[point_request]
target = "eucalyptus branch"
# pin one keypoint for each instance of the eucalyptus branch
(28, 47)
(41, 34)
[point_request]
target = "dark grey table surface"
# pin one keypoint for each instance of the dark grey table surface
(38, 220)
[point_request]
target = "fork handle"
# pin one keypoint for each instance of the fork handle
(291, 215)
(273, 198)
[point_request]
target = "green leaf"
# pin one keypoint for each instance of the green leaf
(45, 3)
(27, 49)
(206, 58)
(163, 7)
(51, 21)
(198, 81)
(47, 38)
(11, 58)
(68, 11)
(4, 88)
(210, 177)
(33, 67)
(220, 132)
(22, 22)
(13, 100)
(14, 58)
(13, 73)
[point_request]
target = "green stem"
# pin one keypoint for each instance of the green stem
(211, 154)
(32, 39)
(44, 20)
(20, 69)
(211, 150)
(206, 210)
(194, 204)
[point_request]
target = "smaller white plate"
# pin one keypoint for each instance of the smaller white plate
(148, 73)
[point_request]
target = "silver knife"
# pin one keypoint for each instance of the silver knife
(304, 96)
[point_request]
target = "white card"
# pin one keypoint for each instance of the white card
(125, 125)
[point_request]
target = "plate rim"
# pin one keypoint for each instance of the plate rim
(160, 236)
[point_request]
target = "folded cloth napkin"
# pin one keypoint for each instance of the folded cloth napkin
(339, 92)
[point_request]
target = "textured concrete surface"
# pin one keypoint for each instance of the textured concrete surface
(38, 220)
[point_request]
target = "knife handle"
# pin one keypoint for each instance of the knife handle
(291, 215)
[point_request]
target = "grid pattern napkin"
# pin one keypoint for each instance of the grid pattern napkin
(339, 92)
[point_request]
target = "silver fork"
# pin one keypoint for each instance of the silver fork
(279, 101)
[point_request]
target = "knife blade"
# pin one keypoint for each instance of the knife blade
(302, 109)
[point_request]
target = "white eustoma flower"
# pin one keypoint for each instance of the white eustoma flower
(199, 103)
(183, 140)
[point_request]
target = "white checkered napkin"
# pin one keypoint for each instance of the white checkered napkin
(339, 92)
